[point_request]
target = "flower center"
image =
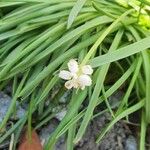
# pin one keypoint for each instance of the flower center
(79, 71)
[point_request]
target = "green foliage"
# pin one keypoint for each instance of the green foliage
(39, 37)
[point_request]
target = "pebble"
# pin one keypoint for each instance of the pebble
(5, 102)
(131, 143)
(115, 99)
(65, 97)
(60, 115)
(47, 130)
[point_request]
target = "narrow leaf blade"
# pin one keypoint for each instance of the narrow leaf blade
(75, 11)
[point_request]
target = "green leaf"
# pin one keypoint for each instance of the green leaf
(124, 101)
(103, 36)
(146, 64)
(128, 111)
(74, 12)
(74, 106)
(143, 131)
(121, 53)
(13, 102)
(6, 4)
(108, 93)
(102, 72)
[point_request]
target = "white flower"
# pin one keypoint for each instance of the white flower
(77, 76)
(73, 66)
(84, 80)
(87, 69)
(66, 75)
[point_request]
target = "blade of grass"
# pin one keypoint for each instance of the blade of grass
(27, 60)
(146, 60)
(143, 131)
(128, 111)
(119, 82)
(30, 48)
(101, 38)
(124, 101)
(6, 4)
(107, 103)
(21, 11)
(75, 11)
(71, 135)
(13, 102)
(18, 132)
(29, 116)
(72, 34)
(11, 130)
(7, 25)
(38, 1)
(108, 93)
(97, 89)
(57, 62)
(73, 108)
(121, 53)
(44, 121)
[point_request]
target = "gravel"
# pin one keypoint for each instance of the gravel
(5, 102)
(118, 138)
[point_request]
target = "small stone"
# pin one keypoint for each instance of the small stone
(131, 143)
(66, 96)
(47, 130)
(60, 115)
(5, 102)
(115, 99)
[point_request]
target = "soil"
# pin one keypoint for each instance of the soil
(116, 139)
(119, 137)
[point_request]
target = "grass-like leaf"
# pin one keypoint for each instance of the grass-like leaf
(74, 12)
(121, 52)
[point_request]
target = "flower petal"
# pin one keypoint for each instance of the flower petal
(87, 69)
(69, 84)
(84, 80)
(66, 75)
(73, 66)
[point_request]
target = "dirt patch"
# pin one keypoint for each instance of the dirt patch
(118, 138)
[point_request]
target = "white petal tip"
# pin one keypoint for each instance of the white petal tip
(87, 69)
(73, 66)
(66, 75)
(85, 80)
